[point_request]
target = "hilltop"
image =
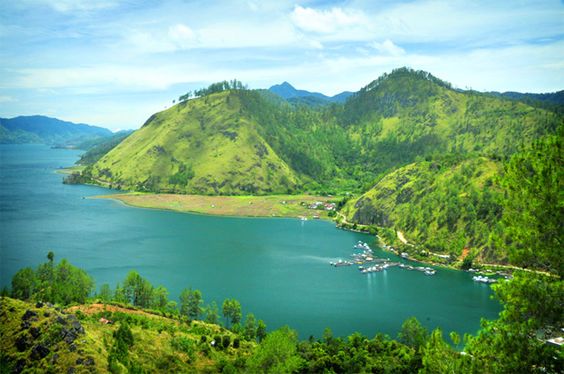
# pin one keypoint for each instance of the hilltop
(203, 146)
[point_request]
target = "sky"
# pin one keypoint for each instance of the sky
(113, 63)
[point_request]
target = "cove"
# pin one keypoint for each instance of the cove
(277, 268)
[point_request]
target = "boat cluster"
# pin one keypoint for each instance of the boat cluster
(483, 279)
(370, 264)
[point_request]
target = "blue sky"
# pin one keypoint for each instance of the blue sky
(115, 62)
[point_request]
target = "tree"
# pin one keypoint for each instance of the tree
(62, 284)
(171, 307)
(119, 294)
(190, 303)
(532, 311)
(438, 357)
(413, 334)
(277, 353)
(212, 313)
(137, 290)
(24, 284)
(159, 298)
(71, 284)
(105, 293)
(534, 213)
(250, 329)
(261, 330)
(231, 309)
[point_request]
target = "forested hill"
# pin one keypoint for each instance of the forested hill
(205, 146)
(47, 130)
(433, 154)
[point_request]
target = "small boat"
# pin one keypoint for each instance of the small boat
(341, 263)
(430, 272)
(361, 245)
(483, 279)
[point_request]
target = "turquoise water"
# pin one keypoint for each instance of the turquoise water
(278, 268)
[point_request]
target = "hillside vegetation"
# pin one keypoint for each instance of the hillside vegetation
(428, 158)
(202, 146)
(447, 205)
(114, 332)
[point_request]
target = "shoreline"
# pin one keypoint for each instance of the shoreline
(275, 201)
(268, 206)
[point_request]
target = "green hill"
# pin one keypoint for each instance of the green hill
(427, 157)
(252, 142)
(445, 205)
(409, 114)
(202, 146)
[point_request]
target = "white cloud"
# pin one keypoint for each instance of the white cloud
(326, 21)
(6, 99)
(65, 6)
(182, 36)
(387, 47)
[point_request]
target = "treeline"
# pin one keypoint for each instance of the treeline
(62, 283)
(213, 88)
(515, 343)
(66, 284)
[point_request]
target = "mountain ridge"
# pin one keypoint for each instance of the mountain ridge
(290, 93)
(49, 130)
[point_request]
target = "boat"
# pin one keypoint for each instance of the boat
(430, 272)
(341, 263)
(483, 279)
(361, 245)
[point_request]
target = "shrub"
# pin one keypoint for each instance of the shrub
(226, 341)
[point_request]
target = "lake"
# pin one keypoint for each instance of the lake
(277, 268)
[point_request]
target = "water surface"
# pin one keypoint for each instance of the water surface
(277, 268)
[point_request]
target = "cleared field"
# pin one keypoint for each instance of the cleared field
(247, 206)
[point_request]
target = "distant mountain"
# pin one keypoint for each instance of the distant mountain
(553, 101)
(288, 92)
(552, 97)
(52, 131)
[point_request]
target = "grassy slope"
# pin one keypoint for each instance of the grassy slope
(160, 343)
(208, 136)
(243, 206)
(443, 206)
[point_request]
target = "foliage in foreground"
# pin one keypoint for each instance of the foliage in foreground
(171, 340)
